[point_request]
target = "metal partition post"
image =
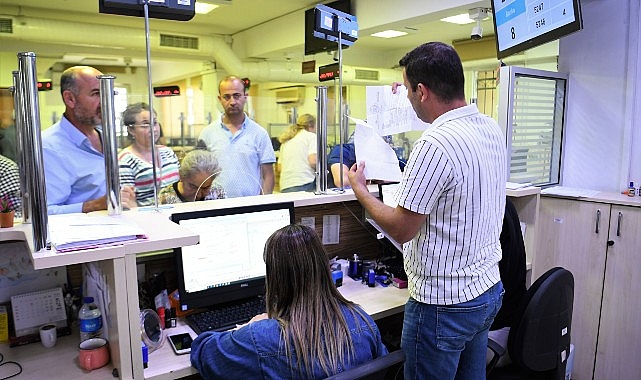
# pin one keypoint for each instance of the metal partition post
(18, 99)
(182, 129)
(32, 146)
(110, 144)
(152, 114)
(321, 139)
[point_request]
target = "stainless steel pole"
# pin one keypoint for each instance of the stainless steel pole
(341, 114)
(32, 145)
(110, 144)
(321, 139)
(18, 100)
(152, 115)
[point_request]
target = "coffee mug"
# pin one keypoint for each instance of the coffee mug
(48, 335)
(94, 353)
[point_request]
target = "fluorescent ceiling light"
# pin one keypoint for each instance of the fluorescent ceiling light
(389, 34)
(204, 8)
(462, 19)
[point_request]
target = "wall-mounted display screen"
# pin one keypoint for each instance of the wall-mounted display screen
(523, 24)
(315, 45)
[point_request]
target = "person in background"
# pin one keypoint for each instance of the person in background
(451, 202)
(8, 142)
(74, 163)
(334, 162)
(135, 161)
(10, 183)
(297, 160)
(198, 169)
(243, 148)
(310, 331)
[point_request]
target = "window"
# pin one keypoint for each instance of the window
(532, 114)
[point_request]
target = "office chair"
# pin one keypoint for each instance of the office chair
(539, 339)
(383, 367)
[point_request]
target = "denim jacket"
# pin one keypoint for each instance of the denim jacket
(254, 351)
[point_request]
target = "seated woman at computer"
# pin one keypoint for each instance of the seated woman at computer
(135, 161)
(198, 170)
(325, 333)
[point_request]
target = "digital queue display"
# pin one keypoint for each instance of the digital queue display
(523, 24)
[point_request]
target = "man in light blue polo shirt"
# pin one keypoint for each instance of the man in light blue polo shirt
(243, 148)
(72, 149)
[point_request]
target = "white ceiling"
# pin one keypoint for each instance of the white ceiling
(252, 26)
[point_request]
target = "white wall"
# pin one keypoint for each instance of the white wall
(601, 145)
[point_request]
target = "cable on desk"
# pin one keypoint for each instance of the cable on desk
(2, 362)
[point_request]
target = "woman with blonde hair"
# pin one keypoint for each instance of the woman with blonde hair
(297, 158)
(310, 331)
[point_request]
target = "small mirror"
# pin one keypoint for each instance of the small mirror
(151, 330)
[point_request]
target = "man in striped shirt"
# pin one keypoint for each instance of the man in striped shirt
(450, 211)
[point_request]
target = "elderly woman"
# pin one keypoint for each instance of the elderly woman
(198, 170)
(135, 161)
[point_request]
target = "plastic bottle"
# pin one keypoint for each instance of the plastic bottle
(90, 320)
(631, 190)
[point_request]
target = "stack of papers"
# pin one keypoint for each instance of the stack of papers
(73, 232)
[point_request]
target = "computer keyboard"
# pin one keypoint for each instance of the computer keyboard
(225, 317)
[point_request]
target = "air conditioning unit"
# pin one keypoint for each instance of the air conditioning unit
(289, 95)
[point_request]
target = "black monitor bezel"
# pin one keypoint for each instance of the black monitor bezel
(215, 296)
(315, 45)
(170, 10)
(540, 39)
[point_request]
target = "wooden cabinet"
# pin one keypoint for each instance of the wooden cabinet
(619, 339)
(596, 241)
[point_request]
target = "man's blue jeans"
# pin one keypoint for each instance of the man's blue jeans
(449, 342)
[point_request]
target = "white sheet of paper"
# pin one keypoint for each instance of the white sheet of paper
(380, 159)
(390, 113)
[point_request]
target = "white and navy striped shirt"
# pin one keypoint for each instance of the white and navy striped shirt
(456, 175)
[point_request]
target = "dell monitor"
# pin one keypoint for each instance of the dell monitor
(227, 265)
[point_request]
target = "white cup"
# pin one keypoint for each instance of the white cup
(48, 335)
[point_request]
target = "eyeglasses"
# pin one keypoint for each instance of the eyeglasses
(236, 96)
(146, 125)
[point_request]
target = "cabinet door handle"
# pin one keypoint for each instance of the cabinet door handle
(598, 220)
(619, 220)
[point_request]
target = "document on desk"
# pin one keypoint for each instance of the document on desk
(73, 232)
(380, 159)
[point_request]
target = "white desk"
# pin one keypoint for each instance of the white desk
(58, 362)
(379, 302)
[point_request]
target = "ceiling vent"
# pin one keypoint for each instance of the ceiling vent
(371, 75)
(6, 25)
(182, 42)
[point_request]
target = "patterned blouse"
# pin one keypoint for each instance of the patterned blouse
(170, 194)
(138, 173)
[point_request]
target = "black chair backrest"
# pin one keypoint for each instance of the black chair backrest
(374, 369)
(540, 339)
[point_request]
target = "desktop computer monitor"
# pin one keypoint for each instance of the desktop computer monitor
(227, 265)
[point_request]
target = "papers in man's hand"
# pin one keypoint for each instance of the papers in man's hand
(380, 159)
(73, 232)
(391, 113)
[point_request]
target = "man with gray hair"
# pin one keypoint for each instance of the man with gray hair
(74, 162)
